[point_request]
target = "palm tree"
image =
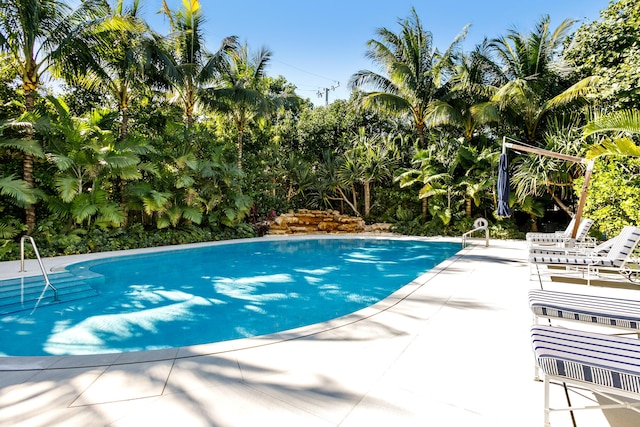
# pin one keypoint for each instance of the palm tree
(125, 51)
(37, 35)
(416, 72)
(369, 160)
(243, 93)
(427, 173)
(533, 71)
(86, 157)
(194, 68)
(476, 78)
(332, 180)
(298, 175)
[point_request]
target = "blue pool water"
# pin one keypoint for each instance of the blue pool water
(216, 293)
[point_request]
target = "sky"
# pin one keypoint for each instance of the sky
(318, 45)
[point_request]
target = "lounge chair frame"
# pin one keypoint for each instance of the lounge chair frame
(618, 259)
(602, 364)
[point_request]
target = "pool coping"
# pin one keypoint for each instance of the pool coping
(59, 264)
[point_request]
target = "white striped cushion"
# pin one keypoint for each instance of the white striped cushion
(605, 360)
(574, 260)
(599, 250)
(533, 236)
(565, 237)
(625, 243)
(615, 312)
(583, 229)
(622, 247)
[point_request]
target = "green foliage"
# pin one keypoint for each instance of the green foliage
(609, 48)
(505, 229)
(152, 158)
(415, 72)
(52, 241)
(17, 190)
(536, 85)
(613, 196)
(620, 124)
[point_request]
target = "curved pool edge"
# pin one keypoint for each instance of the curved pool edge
(59, 264)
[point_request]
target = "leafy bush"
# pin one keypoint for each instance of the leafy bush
(52, 242)
(613, 196)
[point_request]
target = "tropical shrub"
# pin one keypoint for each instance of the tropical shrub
(613, 196)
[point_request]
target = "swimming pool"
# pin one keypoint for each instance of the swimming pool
(219, 292)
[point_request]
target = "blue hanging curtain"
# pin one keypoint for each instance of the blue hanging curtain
(503, 186)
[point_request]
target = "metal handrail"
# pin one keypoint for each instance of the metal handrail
(479, 224)
(44, 272)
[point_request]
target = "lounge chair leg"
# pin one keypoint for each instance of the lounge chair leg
(546, 402)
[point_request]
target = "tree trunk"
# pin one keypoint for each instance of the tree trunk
(240, 150)
(27, 166)
(559, 202)
(367, 198)
(420, 127)
(30, 210)
(124, 126)
(355, 196)
(468, 207)
(241, 127)
(534, 224)
(346, 200)
(425, 207)
(120, 183)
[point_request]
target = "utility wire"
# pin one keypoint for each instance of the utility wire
(305, 71)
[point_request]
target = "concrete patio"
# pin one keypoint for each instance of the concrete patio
(450, 349)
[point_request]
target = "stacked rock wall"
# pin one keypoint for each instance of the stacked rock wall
(311, 221)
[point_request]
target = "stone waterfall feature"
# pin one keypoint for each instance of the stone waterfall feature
(307, 221)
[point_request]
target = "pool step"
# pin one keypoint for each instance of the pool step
(22, 293)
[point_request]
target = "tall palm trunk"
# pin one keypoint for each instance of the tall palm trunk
(242, 124)
(240, 132)
(420, 127)
(27, 161)
(367, 197)
(124, 131)
(124, 125)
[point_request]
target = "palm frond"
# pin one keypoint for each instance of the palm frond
(616, 147)
(68, 187)
(386, 102)
(441, 113)
(24, 145)
(617, 121)
(121, 161)
(192, 213)
(577, 91)
(485, 112)
(17, 189)
(83, 208)
(110, 215)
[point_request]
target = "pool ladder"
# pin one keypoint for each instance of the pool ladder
(478, 225)
(47, 283)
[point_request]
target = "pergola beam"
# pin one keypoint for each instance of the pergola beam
(560, 156)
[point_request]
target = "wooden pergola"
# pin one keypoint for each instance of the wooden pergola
(587, 176)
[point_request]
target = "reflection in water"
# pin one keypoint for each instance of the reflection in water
(217, 293)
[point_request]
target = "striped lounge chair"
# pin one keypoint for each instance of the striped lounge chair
(598, 250)
(564, 238)
(603, 364)
(604, 311)
(614, 260)
(566, 232)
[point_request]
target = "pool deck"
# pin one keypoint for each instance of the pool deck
(450, 349)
